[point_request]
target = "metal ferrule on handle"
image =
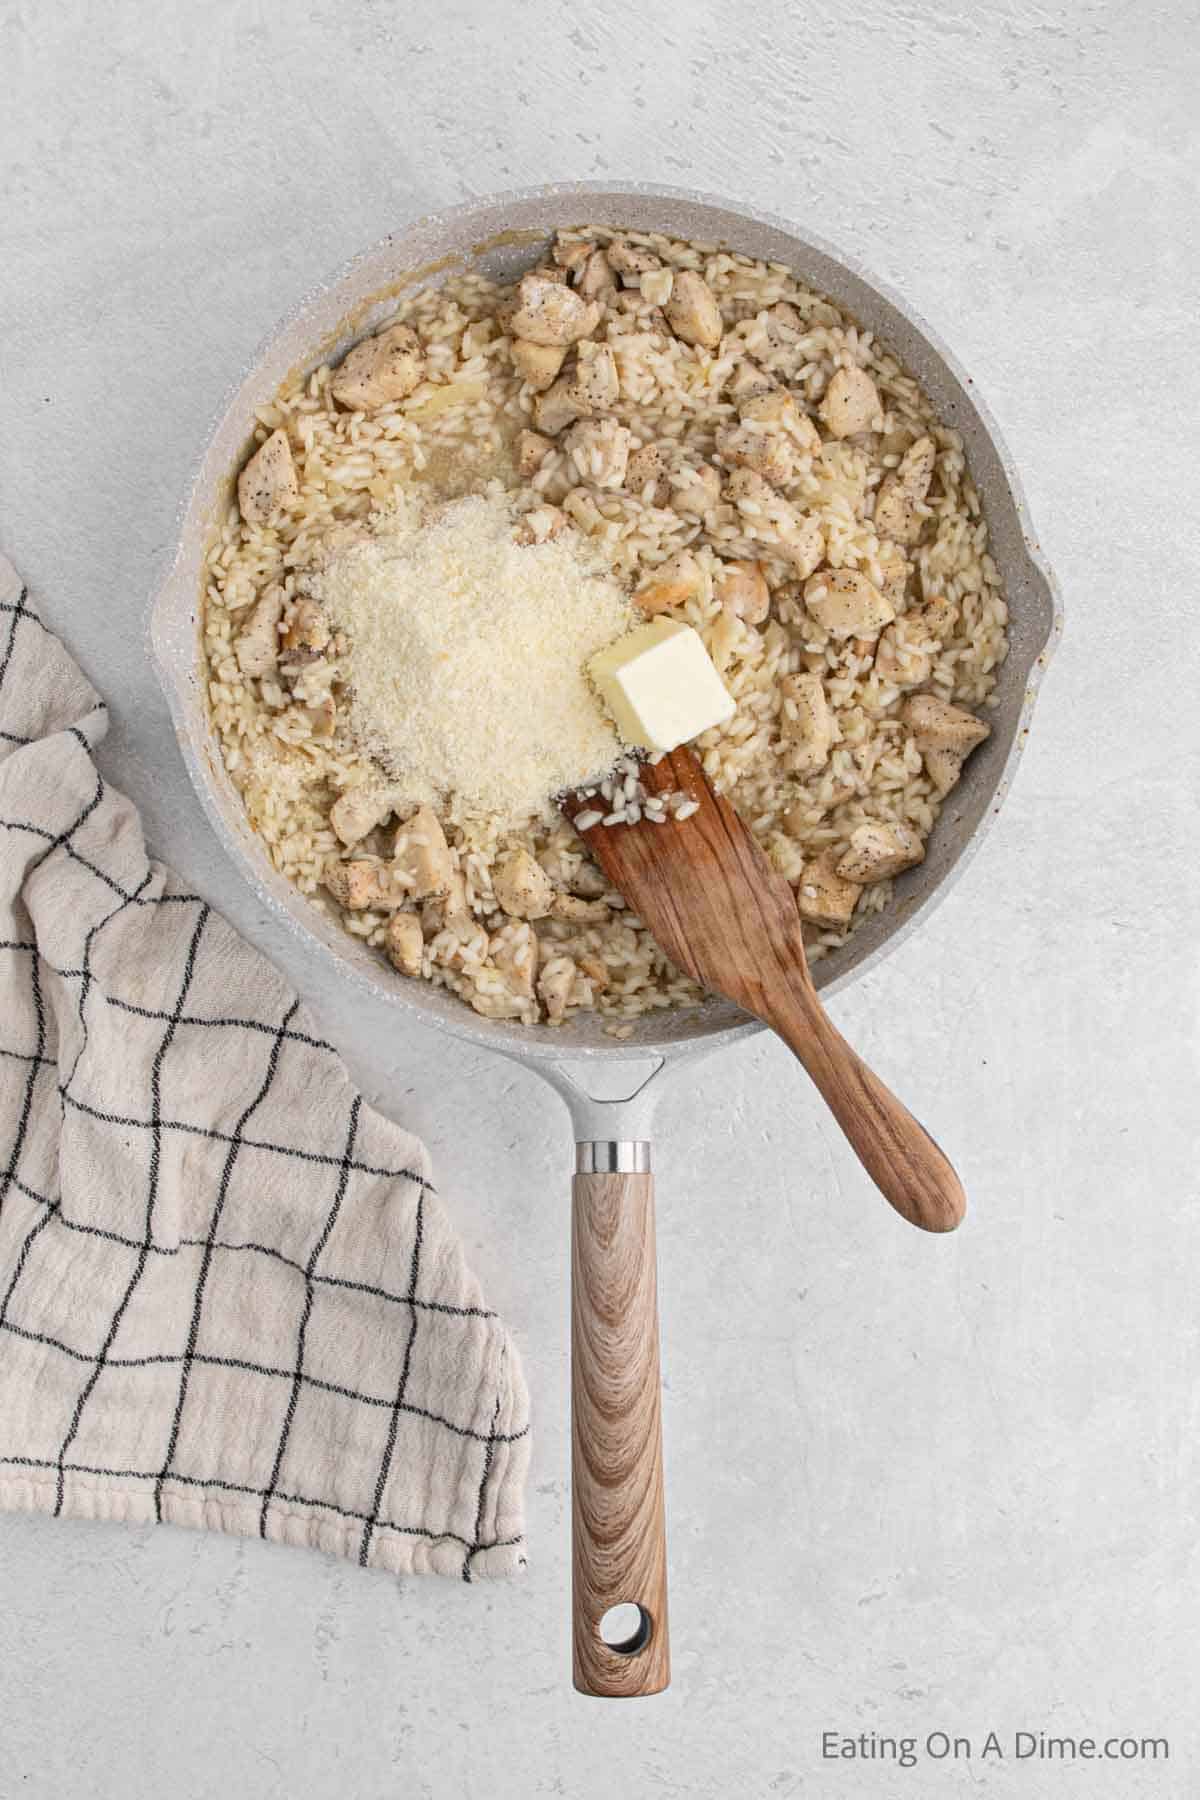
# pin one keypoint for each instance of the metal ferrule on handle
(612, 1156)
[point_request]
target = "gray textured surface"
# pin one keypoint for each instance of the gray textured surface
(914, 1485)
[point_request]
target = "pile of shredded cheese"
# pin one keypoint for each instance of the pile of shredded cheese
(466, 655)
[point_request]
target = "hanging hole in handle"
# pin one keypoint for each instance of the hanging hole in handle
(626, 1628)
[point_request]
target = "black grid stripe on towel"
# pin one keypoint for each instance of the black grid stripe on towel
(229, 1296)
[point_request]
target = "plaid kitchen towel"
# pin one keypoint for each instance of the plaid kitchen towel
(229, 1296)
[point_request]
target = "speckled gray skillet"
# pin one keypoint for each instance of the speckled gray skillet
(501, 236)
(619, 1557)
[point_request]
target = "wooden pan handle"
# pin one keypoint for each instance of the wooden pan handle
(907, 1167)
(619, 1551)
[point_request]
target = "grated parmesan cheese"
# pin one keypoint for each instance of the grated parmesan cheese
(467, 652)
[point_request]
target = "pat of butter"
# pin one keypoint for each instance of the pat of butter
(661, 686)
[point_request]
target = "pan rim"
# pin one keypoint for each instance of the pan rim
(196, 504)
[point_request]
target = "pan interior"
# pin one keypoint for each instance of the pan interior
(502, 237)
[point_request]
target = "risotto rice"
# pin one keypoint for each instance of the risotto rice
(741, 457)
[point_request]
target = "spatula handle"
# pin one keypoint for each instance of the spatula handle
(619, 1555)
(907, 1167)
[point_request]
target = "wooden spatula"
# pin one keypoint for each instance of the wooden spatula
(723, 914)
(726, 917)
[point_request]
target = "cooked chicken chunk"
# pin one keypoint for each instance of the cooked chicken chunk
(847, 604)
(907, 649)
(671, 583)
(538, 364)
(801, 541)
(692, 311)
(568, 870)
(945, 735)
(405, 942)
(595, 971)
(695, 491)
(358, 811)
(571, 253)
(449, 911)
(363, 884)
(878, 851)
(899, 503)
(587, 880)
(784, 324)
(893, 566)
(532, 451)
(936, 725)
(851, 404)
(741, 587)
(548, 312)
(522, 887)
(381, 368)
(476, 337)
(767, 452)
(722, 639)
(632, 259)
(939, 617)
(824, 896)
(596, 281)
(268, 486)
(805, 723)
(555, 408)
(422, 853)
(554, 986)
(307, 635)
(903, 656)
(772, 436)
(599, 448)
(774, 521)
(648, 468)
(580, 912)
(777, 410)
(594, 385)
(749, 382)
(257, 648)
